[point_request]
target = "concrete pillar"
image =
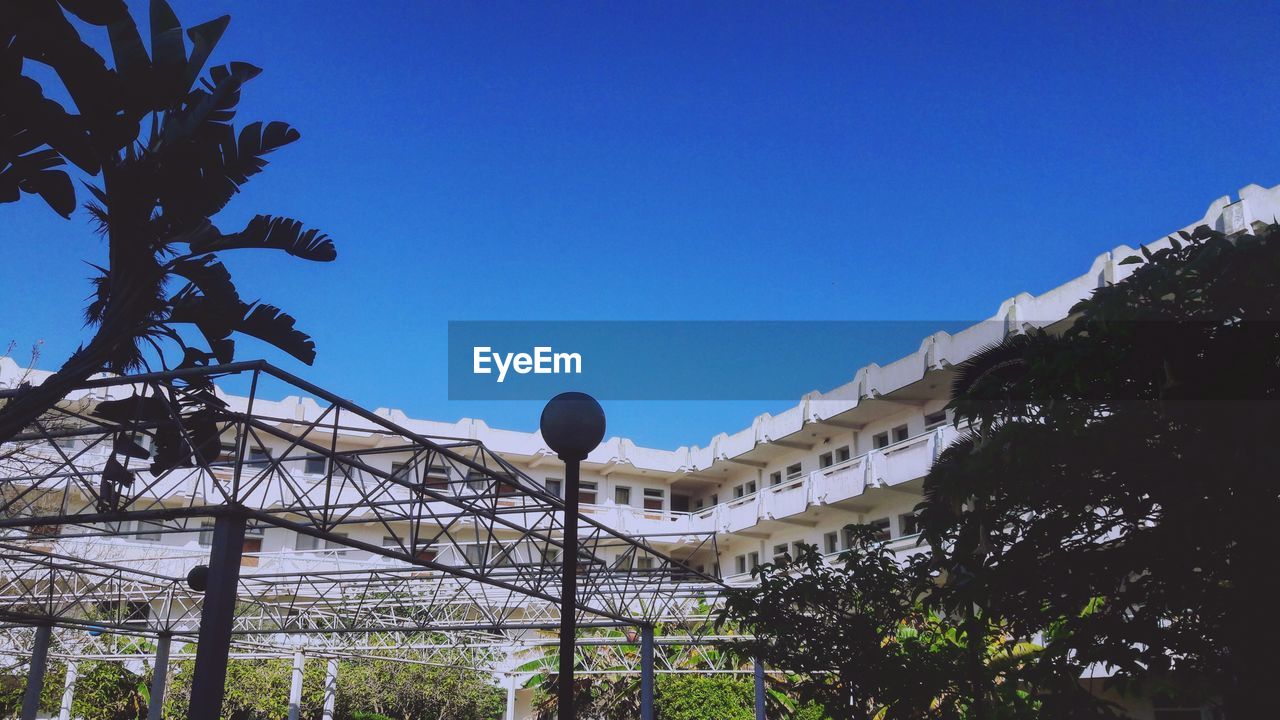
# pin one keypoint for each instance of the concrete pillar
(646, 673)
(330, 689)
(68, 691)
(295, 684)
(759, 673)
(35, 673)
(159, 676)
(511, 698)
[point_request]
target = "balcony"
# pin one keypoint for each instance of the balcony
(889, 466)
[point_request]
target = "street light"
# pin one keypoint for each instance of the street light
(572, 425)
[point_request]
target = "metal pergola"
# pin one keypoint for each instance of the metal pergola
(471, 558)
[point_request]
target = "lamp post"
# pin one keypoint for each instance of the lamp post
(572, 425)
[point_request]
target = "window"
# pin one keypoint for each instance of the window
(314, 465)
(881, 528)
(751, 487)
(793, 471)
(933, 420)
(738, 491)
(337, 547)
(477, 481)
(474, 554)
(391, 541)
(797, 547)
(715, 499)
(848, 537)
(506, 484)
(842, 454)
(654, 498)
(259, 457)
(67, 444)
(831, 542)
(147, 530)
(908, 523)
(437, 477)
(587, 493)
(900, 433)
(697, 504)
(780, 554)
(622, 495)
(880, 440)
(775, 478)
(305, 542)
(206, 533)
(401, 471)
(644, 563)
(753, 559)
(826, 460)
(551, 556)
(554, 486)
(228, 453)
(740, 564)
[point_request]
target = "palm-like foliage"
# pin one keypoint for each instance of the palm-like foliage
(159, 138)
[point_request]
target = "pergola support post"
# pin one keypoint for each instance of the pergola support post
(159, 676)
(511, 697)
(646, 673)
(217, 617)
(759, 677)
(330, 689)
(295, 684)
(68, 691)
(35, 673)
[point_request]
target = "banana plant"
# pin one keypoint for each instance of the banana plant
(154, 142)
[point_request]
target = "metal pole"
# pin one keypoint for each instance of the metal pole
(568, 592)
(217, 616)
(159, 676)
(68, 692)
(646, 673)
(511, 698)
(35, 674)
(295, 685)
(330, 689)
(759, 668)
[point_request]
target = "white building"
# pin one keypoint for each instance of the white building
(855, 454)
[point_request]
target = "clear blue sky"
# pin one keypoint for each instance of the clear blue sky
(696, 161)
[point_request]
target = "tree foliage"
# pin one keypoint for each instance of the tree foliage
(1116, 489)
(161, 142)
(259, 690)
(861, 639)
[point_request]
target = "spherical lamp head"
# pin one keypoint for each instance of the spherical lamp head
(198, 578)
(572, 424)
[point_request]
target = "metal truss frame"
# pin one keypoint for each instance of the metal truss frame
(472, 547)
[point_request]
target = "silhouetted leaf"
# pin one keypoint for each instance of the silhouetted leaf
(127, 446)
(134, 409)
(203, 39)
(211, 277)
(56, 189)
(116, 474)
(274, 233)
(215, 321)
(272, 325)
(168, 54)
(96, 12)
(133, 65)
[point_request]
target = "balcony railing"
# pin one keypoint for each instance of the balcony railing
(894, 464)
